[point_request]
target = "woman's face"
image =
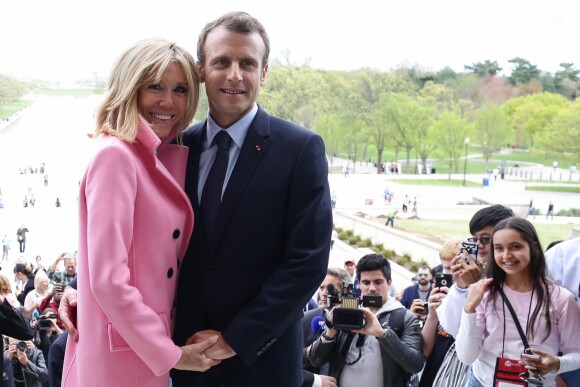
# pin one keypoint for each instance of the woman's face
(42, 287)
(511, 252)
(163, 104)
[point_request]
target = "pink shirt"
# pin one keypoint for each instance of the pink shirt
(481, 335)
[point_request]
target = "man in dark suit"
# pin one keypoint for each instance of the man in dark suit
(249, 272)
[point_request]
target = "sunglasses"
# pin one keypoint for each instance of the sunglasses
(484, 240)
(423, 275)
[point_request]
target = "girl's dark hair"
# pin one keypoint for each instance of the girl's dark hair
(537, 269)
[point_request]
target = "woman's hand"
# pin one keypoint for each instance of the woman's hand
(475, 294)
(545, 365)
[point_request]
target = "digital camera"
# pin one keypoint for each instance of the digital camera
(22, 346)
(348, 316)
(44, 323)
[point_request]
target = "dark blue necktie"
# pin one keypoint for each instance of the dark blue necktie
(211, 195)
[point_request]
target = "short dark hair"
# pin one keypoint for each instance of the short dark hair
(372, 262)
(240, 22)
(489, 216)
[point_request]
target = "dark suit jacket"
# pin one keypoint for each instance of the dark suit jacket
(269, 253)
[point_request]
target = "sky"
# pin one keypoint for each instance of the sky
(67, 40)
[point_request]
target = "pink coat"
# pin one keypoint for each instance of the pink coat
(135, 225)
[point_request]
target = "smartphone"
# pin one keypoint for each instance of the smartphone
(531, 356)
(469, 248)
(443, 280)
(425, 308)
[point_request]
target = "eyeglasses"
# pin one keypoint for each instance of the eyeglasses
(484, 240)
(423, 275)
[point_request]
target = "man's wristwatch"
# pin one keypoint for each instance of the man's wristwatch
(326, 337)
(385, 335)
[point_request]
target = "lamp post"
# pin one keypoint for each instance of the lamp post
(465, 161)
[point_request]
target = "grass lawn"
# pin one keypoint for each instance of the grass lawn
(13, 107)
(534, 156)
(554, 188)
(441, 230)
(439, 182)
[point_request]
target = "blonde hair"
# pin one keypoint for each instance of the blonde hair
(39, 278)
(450, 249)
(140, 65)
(5, 285)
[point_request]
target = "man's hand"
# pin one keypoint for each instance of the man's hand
(328, 381)
(418, 308)
(193, 356)
(465, 274)
(436, 298)
(372, 325)
(22, 358)
(67, 311)
(220, 351)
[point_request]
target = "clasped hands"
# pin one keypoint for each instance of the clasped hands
(202, 350)
(221, 350)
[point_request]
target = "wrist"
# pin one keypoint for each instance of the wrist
(383, 334)
(468, 309)
(329, 334)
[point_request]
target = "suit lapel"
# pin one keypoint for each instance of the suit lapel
(194, 140)
(253, 150)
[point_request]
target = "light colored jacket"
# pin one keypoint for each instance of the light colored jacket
(135, 226)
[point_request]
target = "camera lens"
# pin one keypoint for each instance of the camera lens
(21, 346)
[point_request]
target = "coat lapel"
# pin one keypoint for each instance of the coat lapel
(193, 139)
(253, 150)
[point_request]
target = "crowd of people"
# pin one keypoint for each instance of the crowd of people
(35, 183)
(203, 257)
(466, 315)
(29, 302)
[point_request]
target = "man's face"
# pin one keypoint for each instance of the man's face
(424, 277)
(483, 235)
(374, 283)
(349, 267)
(233, 73)
(323, 289)
(70, 266)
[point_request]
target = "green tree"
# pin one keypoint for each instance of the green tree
(484, 69)
(403, 120)
(450, 131)
(523, 71)
(491, 129)
(562, 135)
(531, 114)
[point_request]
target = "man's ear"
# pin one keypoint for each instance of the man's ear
(201, 71)
(264, 72)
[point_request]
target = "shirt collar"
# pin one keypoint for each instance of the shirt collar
(237, 131)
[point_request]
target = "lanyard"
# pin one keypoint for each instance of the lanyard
(516, 321)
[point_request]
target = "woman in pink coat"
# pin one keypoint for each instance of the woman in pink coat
(135, 225)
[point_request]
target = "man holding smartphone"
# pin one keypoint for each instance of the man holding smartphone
(415, 296)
